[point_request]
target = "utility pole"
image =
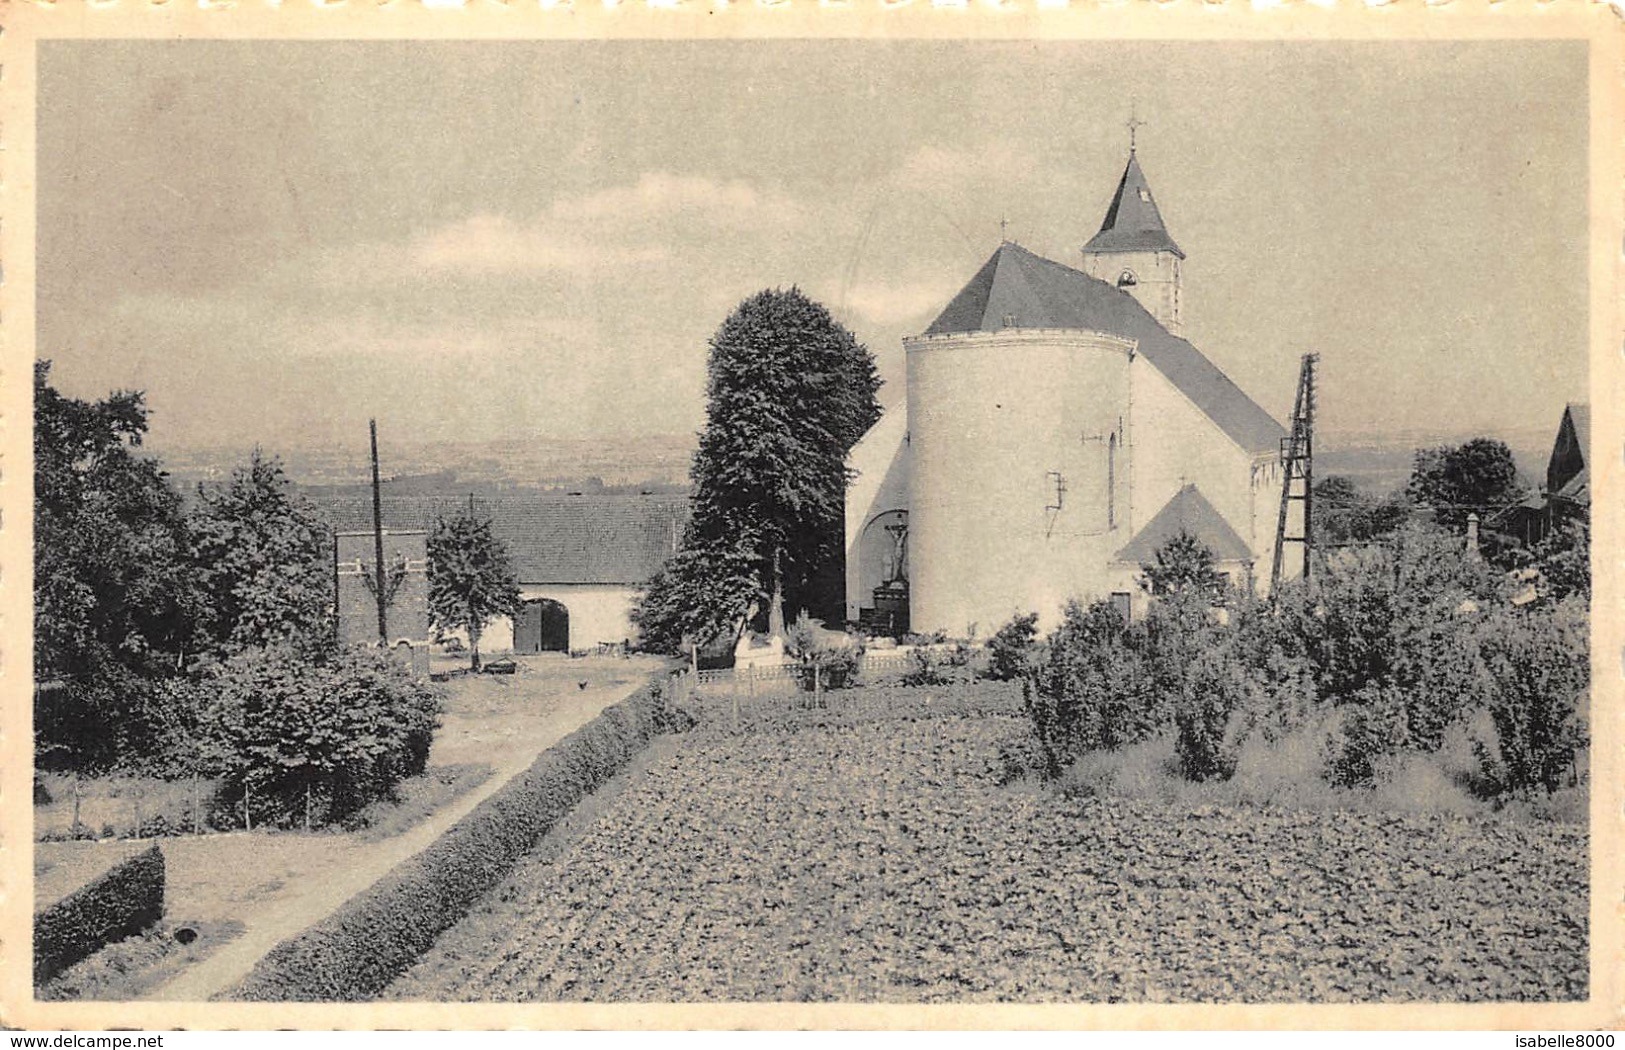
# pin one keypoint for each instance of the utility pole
(1297, 465)
(380, 587)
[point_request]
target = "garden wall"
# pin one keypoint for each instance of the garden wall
(358, 950)
(123, 901)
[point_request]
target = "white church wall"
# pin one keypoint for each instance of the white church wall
(1156, 284)
(994, 417)
(1177, 444)
(599, 612)
(881, 461)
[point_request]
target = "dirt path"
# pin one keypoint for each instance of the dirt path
(552, 699)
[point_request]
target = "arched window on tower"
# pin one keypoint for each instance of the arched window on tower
(1126, 279)
(1111, 482)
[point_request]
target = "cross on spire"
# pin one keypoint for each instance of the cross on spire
(1004, 228)
(1134, 123)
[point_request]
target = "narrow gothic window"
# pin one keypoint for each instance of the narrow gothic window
(1111, 483)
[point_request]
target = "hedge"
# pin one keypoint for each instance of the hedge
(123, 901)
(374, 937)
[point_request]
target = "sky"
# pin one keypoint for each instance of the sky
(478, 241)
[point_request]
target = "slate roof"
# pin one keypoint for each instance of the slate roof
(551, 539)
(1580, 416)
(1042, 293)
(1571, 451)
(1133, 223)
(1188, 512)
(1577, 490)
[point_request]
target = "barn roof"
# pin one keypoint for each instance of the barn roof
(1190, 513)
(1133, 223)
(550, 538)
(1041, 293)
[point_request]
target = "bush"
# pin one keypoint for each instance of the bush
(323, 739)
(1397, 642)
(358, 950)
(1535, 696)
(825, 659)
(925, 670)
(1097, 688)
(125, 900)
(1204, 715)
(1012, 648)
(1395, 623)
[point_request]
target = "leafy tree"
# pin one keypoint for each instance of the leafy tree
(263, 560)
(1182, 565)
(1344, 513)
(115, 606)
(471, 581)
(699, 595)
(293, 737)
(1459, 480)
(790, 392)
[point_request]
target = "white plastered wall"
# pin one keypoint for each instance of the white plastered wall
(599, 612)
(881, 463)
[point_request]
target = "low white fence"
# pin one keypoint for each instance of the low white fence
(731, 686)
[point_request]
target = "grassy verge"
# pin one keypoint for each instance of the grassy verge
(133, 967)
(356, 952)
(124, 900)
(417, 799)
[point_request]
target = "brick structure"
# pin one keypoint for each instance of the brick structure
(406, 567)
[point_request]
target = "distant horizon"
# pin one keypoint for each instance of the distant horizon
(1382, 468)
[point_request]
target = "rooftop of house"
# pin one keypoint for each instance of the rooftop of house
(551, 539)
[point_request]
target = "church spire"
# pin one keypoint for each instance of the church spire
(1133, 251)
(1133, 223)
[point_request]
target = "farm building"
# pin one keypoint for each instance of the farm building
(406, 610)
(1566, 493)
(580, 560)
(1568, 472)
(1057, 427)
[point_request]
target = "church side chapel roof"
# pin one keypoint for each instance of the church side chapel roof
(1133, 223)
(1190, 513)
(1041, 293)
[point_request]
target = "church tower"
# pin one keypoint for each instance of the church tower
(1134, 252)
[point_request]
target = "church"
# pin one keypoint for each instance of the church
(1058, 429)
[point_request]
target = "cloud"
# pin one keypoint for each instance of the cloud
(663, 195)
(489, 244)
(889, 304)
(639, 224)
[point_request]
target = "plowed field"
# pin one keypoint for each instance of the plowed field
(883, 861)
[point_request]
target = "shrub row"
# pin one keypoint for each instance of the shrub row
(124, 900)
(357, 951)
(1396, 643)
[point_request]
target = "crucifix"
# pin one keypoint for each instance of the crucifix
(1134, 124)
